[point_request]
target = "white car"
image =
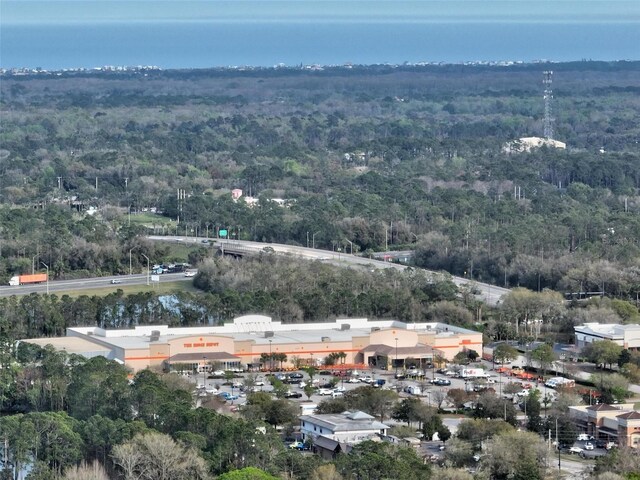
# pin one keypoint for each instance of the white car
(576, 450)
(259, 383)
(588, 446)
(353, 380)
(366, 379)
(339, 389)
(336, 394)
(189, 274)
(324, 391)
(583, 437)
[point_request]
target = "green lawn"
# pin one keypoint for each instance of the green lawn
(159, 288)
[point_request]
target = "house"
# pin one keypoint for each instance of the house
(617, 423)
(331, 433)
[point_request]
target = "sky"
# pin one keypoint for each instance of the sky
(52, 12)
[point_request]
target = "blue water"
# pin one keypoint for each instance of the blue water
(202, 45)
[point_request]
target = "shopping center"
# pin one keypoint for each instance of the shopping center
(256, 342)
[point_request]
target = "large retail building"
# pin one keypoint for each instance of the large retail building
(249, 339)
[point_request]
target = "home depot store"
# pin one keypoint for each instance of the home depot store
(243, 341)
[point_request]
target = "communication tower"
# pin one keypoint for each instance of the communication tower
(548, 96)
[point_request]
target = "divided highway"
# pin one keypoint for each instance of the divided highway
(488, 293)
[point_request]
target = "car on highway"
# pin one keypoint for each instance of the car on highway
(115, 281)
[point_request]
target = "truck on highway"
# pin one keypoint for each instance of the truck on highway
(28, 279)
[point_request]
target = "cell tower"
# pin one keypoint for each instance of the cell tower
(548, 96)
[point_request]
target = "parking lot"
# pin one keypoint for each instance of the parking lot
(421, 386)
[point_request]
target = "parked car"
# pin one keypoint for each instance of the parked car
(366, 379)
(353, 380)
(601, 444)
(296, 375)
(335, 394)
(324, 391)
(583, 437)
(441, 382)
(577, 450)
(611, 445)
(588, 446)
(259, 383)
(293, 395)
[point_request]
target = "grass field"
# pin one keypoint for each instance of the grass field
(159, 288)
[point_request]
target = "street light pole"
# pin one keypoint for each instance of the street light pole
(270, 357)
(147, 266)
(396, 357)
(204, 371)
(47, 267)
(350, 245)
(313, 240)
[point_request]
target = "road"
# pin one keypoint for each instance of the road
(58, 286)
(488, 293)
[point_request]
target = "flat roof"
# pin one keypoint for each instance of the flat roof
(77, 345)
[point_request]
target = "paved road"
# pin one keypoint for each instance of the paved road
(58, 286)
(489, 293)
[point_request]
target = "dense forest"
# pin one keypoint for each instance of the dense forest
(364, 159)
(383, 157)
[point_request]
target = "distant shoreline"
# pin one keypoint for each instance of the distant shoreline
(146, 69)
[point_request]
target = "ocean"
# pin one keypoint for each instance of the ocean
(168, 44)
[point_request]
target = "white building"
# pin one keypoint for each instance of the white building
(627, 336)
(346, 427)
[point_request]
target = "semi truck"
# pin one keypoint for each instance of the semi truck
(27, 279)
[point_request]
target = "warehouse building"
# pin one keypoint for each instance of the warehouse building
(255, 341)
(627, 336)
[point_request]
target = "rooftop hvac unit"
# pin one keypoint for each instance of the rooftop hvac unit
(268, 334)
(326, 339)
(345, 326)
(155, 336)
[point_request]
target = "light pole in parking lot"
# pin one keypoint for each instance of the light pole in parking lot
(270, 357)
(204, 372)
(396, 357)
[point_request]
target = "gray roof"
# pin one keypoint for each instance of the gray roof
(326, 443)
(345, 422)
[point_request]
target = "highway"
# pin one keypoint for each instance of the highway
(488, 293)
(66, 286)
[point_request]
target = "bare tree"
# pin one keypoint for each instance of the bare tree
(154, 456)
